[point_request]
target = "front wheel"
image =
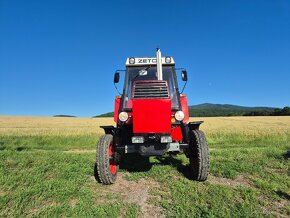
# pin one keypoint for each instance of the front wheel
(198, 155)
(105, 167)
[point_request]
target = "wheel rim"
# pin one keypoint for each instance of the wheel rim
(113, 166)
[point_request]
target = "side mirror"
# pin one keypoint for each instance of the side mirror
(116, 77)
(184, 75)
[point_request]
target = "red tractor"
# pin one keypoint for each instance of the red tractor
(151, 119)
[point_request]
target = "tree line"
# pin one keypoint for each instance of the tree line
(277, 112)
(217, 111)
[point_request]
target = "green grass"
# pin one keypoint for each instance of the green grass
(37, 178)
(47, 142)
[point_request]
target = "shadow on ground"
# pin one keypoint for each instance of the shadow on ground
(171, 160)
(137, 163)
(282, 194)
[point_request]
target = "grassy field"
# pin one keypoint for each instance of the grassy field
(46, 169)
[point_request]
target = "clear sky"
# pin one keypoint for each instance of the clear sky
(59, 57)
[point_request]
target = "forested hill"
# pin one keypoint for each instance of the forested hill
(214, 110)
(109, 114)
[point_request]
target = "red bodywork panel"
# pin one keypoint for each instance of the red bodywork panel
(152, 116)
(116, 109)
(176, 133)
(184, 106)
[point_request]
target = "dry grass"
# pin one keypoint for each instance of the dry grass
(34, 126)
(257, 126)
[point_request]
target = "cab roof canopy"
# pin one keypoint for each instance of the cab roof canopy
(134, 61)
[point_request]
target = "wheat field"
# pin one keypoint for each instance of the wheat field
(26, 126)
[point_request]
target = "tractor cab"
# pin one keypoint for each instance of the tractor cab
(141, 80)
(152, 119)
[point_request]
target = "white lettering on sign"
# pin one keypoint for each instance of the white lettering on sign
(146, 61)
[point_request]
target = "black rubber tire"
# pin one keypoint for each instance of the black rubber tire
(198, 156)
(103, 173)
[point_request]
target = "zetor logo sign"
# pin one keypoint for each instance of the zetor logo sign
(146, 61)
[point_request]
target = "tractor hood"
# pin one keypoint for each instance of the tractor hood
(152, 116)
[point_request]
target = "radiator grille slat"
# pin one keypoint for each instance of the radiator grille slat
(150, 89)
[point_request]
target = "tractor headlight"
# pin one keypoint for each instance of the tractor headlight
(166, 139)
(167, 60)
(123, 116)
(137, 139)
(179, 115)
(131, 60)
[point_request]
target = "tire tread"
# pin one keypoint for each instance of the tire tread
(102, 165)
(201, 152)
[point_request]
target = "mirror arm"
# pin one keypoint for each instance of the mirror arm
(183, 87)
(180, 68)
(117, 89)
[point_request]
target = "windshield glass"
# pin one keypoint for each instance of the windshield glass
(132, 74)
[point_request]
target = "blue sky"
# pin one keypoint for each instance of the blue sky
(59, 57)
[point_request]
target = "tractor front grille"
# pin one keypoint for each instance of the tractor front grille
(150, 89)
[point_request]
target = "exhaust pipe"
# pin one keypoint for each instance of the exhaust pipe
(159, 64)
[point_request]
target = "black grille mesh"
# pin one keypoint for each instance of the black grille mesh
(150, 89)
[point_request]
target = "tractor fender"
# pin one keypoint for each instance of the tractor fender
(194, 125)
(109, 129)
(186, 128)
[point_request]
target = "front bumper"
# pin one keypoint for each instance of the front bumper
(152, 149)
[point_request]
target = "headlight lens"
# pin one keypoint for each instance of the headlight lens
(166, 139)
(137, 139)
(123, 116)
(167, 60)
(131, 60)
(179, 115)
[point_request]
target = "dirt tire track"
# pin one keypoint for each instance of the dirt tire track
(137, 192)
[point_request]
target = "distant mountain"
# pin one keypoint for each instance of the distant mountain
(63, 115)
(214, 110)
(109, 114)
